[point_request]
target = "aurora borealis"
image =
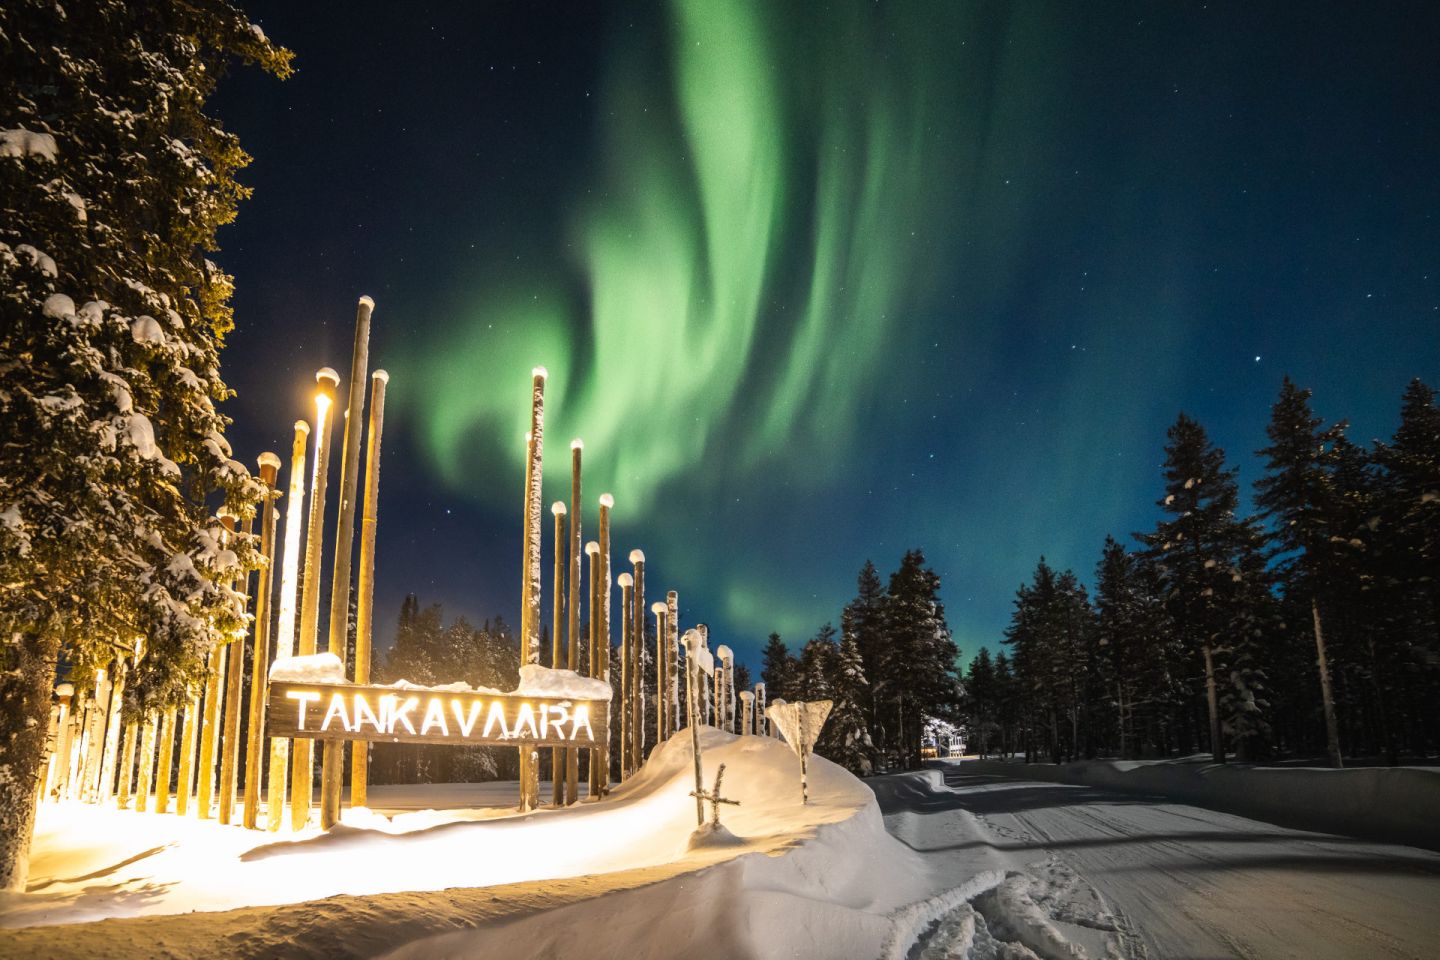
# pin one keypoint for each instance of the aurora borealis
(821, 284)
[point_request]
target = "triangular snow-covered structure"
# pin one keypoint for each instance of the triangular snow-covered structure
(800, 723)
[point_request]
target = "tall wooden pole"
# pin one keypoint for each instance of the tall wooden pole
(572, 754)
(165, 744)
(760, 719)
(302, 767)
(747, 712)
(637, 659)
(662, 629)
(626, 584)
(127, 764)
(672, 660)
(693, 642)
(235, 679)
(285, 625)
(260, 659)
(365, 587)
(147, 763)
(592, 550)
(113, 725)
(65, 692)
(332, 762)
(189, 735)
(607, 503)
(557, 643)
(530, 577)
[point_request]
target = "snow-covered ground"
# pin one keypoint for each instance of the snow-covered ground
(1094, 873)
(615, 878)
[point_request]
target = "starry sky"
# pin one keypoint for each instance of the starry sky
(818, 283)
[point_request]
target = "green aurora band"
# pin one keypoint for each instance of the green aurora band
(756, 252)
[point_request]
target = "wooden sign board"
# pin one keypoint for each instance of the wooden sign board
(343, 711)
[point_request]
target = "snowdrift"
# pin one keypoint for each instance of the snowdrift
(1389, 804)
(614, 878)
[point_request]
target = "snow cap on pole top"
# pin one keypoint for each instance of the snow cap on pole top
(558, 508)
(659, 606)
(327, 373)
(380, 375)
(625, 580)
(64, 689)
(592, 547)
(302, 426)
(268, 459)
(637, 556)
(724, 652)
(577, 444)
(366, 301)
(606, 500)
(540, 372)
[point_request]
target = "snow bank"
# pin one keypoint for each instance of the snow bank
(1390, 804)
(314, 668)
(92, 862)
(535, 680)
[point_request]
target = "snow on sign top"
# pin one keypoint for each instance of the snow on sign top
(315, 668)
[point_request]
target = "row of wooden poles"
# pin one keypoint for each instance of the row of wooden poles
(565, 633)
(97, 753)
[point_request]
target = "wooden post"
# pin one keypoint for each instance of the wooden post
(235, 679)
(113, 726)
(530, 576)
(707, 680)
(694, 641)
(637, 658)
(285, 625)
(209, 721)
(572, 754)
(365, 587)
(661, 632)
(165, 745)
(557, 643)
(189, 733)
(626, 583)
(260, 655)
(147, 763)
(94, 739)
(747, 713)
(592, 550)
(66, 693)
(760, 709)
(332, 762)
(302, 766)
(672, 663)
(127, 764)
(607, 503)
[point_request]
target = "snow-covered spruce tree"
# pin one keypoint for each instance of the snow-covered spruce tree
(779, 669)
(818, 666)
(864, 619)
(113, 181)
(846, 737)
(920, 662)
(980, 703)
(1297, 495)
(1197, 550)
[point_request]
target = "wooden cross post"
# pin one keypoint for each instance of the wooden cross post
(712, 797)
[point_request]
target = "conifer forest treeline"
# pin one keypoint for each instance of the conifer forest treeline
(1308, 629)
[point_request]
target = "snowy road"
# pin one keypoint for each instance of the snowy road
(1172, 880)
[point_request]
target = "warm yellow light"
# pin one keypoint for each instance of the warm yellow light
(322, 402)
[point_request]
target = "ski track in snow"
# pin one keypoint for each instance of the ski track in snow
(1171, 880)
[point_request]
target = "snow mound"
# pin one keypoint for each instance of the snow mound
(313, 668)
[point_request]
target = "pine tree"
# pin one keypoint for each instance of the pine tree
(113, 182)
(919, 664)
(1297, 495)
(779, 670)
(846, 737)
(818, 661)
(1197, 551)
(864, 619)
(981, 703)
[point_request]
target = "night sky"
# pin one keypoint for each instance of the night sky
(819, 283)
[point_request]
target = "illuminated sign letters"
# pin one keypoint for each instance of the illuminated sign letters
(341, 711)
